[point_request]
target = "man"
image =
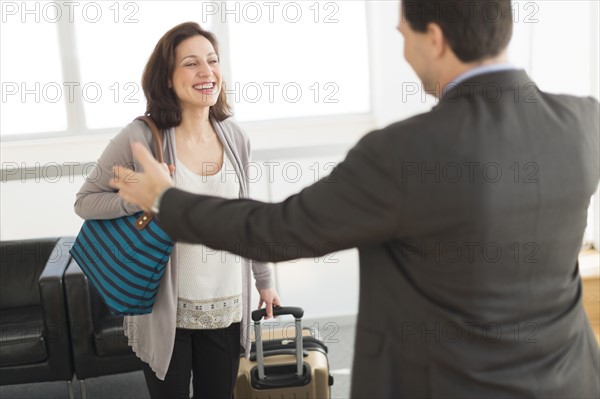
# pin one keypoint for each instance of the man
(468, 220)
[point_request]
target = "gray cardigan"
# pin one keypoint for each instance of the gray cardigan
(152, 336)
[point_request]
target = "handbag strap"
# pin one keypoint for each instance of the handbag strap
(147, 217)
(156, 135)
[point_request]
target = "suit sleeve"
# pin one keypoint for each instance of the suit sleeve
(358, 204)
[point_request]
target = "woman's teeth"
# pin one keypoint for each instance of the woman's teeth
(205, 86)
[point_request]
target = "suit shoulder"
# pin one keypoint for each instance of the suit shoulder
(592, 108)
(579, 110)
(581, 101)
(567, 100)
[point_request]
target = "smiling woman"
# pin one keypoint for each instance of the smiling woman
(200, 315)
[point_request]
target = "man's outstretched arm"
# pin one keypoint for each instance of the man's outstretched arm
(358, 204)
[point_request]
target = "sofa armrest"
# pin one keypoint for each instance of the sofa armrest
(58, 261)
(86, 314)
(54, 307)
(79, 308)
(52, 290)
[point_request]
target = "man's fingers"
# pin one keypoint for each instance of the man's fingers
(121, 175)
(139, 188)
(143, 156)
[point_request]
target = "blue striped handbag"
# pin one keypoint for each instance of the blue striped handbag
(125, 258)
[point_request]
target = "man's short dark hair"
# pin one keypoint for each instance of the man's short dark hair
(475, 29)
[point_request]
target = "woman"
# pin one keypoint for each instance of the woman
(202, 310)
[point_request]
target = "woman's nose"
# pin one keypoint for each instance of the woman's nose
(204, 69)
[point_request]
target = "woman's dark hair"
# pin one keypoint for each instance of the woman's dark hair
(475, 29)
(162, 103)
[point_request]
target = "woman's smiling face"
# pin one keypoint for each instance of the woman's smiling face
(196, 77)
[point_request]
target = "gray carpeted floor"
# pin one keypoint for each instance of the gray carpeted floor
(337, 333)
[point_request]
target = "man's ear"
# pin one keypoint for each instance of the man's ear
(437, 41)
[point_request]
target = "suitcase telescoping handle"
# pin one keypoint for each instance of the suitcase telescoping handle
(257, 316)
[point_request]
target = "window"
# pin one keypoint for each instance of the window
(33, 94)
(297, 58)
(562, 39)
(71, 67)
(77, 66)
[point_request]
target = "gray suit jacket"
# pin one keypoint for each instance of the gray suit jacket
(468, 220)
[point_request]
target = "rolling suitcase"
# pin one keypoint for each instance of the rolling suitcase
(282, 368)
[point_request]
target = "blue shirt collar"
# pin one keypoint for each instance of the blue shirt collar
(477, 71)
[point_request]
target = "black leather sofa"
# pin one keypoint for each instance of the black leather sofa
(34, 333)
(99, 345)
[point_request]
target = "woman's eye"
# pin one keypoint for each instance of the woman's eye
(213, 61)
(191, 64)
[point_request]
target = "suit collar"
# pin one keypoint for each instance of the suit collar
(480, 70)
(491, 84)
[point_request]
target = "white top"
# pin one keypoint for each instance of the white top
(210, 281)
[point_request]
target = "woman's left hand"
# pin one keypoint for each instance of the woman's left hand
(269, 297)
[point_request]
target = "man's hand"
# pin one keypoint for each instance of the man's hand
(269, 297)
(142, 189)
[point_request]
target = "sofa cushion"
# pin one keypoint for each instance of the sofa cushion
(22, 336)
(22, 263)
(109, 338)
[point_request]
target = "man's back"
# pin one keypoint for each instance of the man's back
(479, 292)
